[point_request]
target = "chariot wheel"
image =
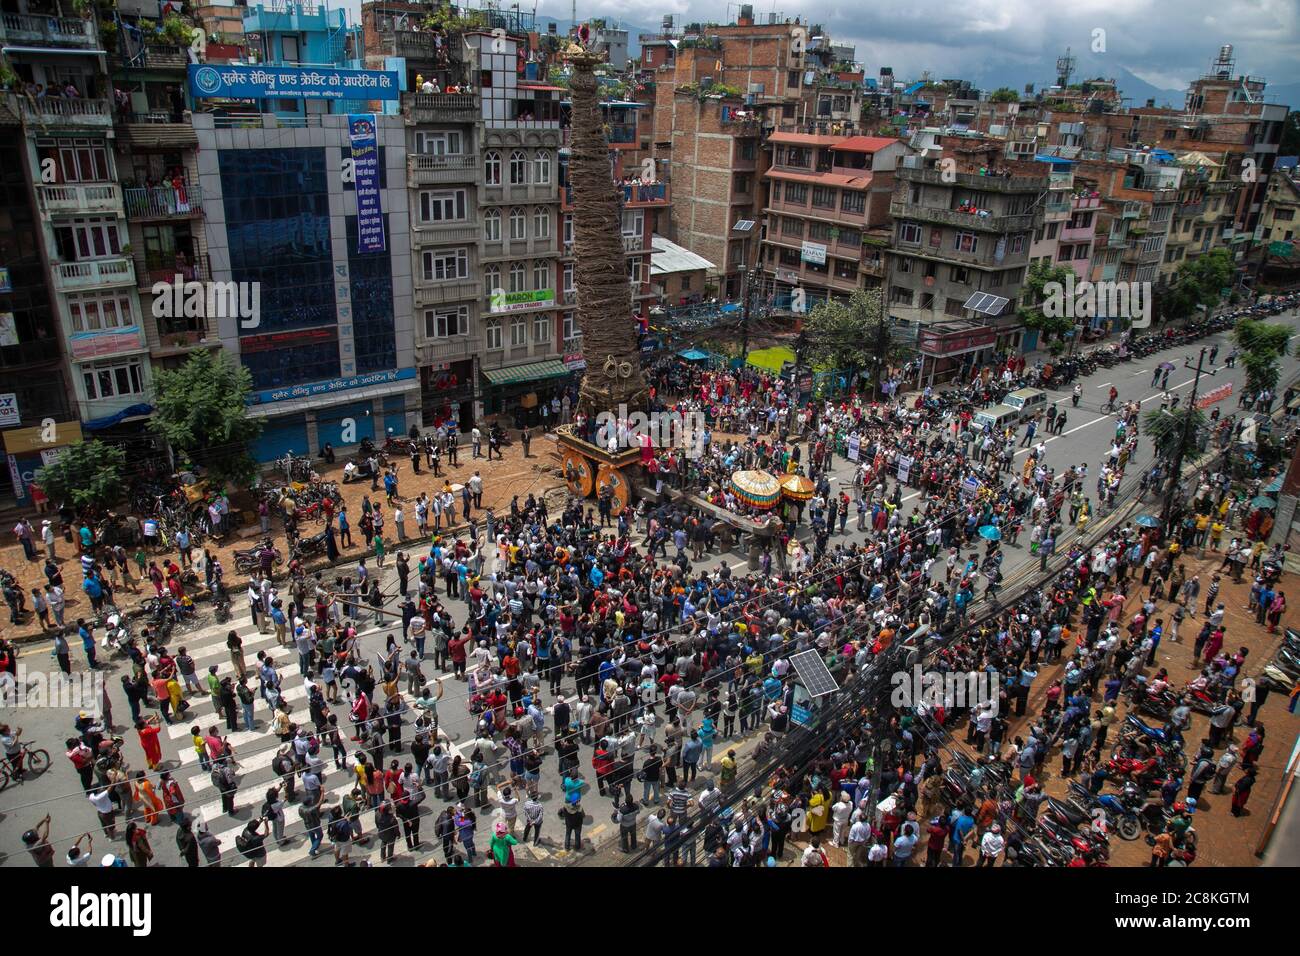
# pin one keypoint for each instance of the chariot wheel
(578, 473)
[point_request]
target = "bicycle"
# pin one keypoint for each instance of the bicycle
(30, 758)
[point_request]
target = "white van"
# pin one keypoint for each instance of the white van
(1000, 417)
(1030, 401)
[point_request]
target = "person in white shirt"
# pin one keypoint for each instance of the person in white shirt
(991, 846)
(840, 819)
(509, 804)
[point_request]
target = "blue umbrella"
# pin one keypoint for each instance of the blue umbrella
(1147, 521)
(990, 533)
(1263, 501)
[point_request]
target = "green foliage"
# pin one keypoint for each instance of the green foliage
(176, 32)
(88, 475)
(1167, 429)
(1004, 94)
(201, 410)
(1205, 277)
(1033, 297)
(447, 19)
(1262, 344)
(854, 335)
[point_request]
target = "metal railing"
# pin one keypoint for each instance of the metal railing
(61, 111)
(965, 220)
(163, 202)
(162, 268)
(1002, 184)
(440, 107)
(644, 192)
(424, 168)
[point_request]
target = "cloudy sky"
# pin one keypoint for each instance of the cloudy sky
(1164, 42)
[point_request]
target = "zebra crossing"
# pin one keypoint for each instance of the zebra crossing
(255, 750)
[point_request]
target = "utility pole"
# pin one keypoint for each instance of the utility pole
(1175, 477)
(747, 282)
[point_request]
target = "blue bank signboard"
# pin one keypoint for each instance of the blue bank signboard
(261, 82)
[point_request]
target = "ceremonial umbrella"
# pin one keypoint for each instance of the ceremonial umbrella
(990, 533)
(1263, 501)
(756, 488)
(797, 487)
(1147, 521)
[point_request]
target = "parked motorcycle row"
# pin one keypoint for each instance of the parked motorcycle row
(1282, 672)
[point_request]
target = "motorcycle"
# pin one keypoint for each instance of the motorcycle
(250, 559)
(306, 547)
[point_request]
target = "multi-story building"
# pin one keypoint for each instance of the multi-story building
(959, 256)
(828, 198)
(1138, 193)
(34, 384)
(612, 40)
(519, 221)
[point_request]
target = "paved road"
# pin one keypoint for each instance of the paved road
(1086, 439)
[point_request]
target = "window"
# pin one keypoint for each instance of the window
(492, 168)
(792, 227)
(492, 225)
(542, 328)
(634, 222)
(518, 331)
(568, 228)
(289, 49)
(910, 233)
(568, 277)
(541, 274)
(443, 206)
(900, 295)
(634, 272)
(444, 143)
(542, 168)
(492, 334)
(88, 237)
(541, 223)
(790, 257)
(965, 242)
(960, 275)
(819, 230)
(491, 280)
(995, 280)
(852, 202)
(518, 277)
(906, 265)
(518, 224)
(76, 160)
(1017, 244)
(444, 265)
(518, 168)
(796, 193)
(1161, 213)
(571, 331)
(850, 237)
(92, 312)
(112, 380)
(1081, 220)
(1053, 229)
(824, 197)
(1081, 251)
(444, 323)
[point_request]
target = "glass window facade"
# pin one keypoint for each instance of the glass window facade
(371, 276)
(278, 227)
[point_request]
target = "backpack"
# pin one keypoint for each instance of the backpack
(242, 843)
(340, 830)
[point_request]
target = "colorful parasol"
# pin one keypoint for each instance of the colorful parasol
(797, 488)
(756, 488)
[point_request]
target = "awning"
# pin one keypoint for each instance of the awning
(108, 421)
(551, 368)
(1274, 486)
(692, 355)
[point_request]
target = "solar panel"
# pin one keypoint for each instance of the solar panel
(814, 676)
(986, 303)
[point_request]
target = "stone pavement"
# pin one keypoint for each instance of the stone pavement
(502, 479)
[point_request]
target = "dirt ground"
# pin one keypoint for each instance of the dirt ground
(502, 479)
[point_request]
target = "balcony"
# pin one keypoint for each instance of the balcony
(1137, 254)
(426, 169)
(22, 29)
(152, 269)
(413, 45)
(999, 184)
(163, 202)
(157, 57)
(961, 220)
(421, 108)
(93, 274)
(645, 194)
(55, 111)
(569, 297)
(429, 293)
(633, 244)
(1188, 210)
(173, 337)
(440, 233)
(79, 198)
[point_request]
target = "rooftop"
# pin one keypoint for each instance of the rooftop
(668, 257)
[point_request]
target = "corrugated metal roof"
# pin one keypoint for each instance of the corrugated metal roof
(823, 179)
(804, 139)
(864, 144)
(668, 257)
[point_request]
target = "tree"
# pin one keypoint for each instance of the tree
(1039, 283)
(1004, 94)
(88, 475)
(201, 409)
(1262, 344)
(1167, 429)
(854, 335)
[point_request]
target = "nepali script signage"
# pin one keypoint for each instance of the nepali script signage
(335, 385)
(934, 342)
(256, 82)
(365, 162)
